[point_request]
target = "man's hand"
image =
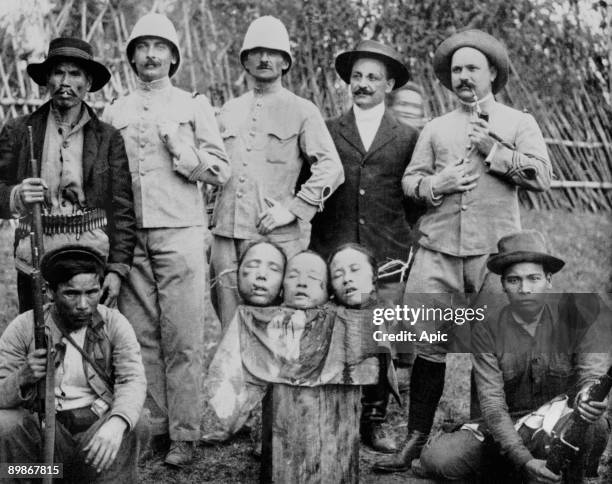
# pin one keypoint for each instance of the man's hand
(110, 289)
(454, 178)
(273, 217)
(537, 472)
(479, 136)
(590, 411)
(103, 447)
(32, 190)
(35, 368)
(168, 132)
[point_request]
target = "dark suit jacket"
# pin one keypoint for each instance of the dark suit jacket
(369, 208)
(106, 176)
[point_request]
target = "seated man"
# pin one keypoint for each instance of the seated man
(99, 388)
(534, 349)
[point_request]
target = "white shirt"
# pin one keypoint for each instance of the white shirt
(72, 390)
(368, 121)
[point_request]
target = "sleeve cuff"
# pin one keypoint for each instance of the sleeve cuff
(118, 268)
(520, 456)
(125, 418)
(301, 209)
(425, 192)
(186, 162)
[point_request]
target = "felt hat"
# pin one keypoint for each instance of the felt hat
(375, 50)
(523, 246)
(73, 50)
(487, 44)
(154, 25)
(71, 259)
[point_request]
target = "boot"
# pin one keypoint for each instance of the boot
(180, 454)
(374, 435)
(374, 411)
(401, 461)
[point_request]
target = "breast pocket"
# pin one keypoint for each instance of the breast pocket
(559, 374)
(282, 146)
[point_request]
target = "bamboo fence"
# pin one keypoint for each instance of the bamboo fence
(578, 131)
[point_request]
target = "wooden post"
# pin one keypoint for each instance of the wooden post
(311, 435)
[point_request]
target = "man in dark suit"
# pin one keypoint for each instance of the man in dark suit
(369, 208)
(83, 177)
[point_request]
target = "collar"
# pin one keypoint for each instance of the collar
(536, 320)
(369, 115)
(264, 89)
(156, 85)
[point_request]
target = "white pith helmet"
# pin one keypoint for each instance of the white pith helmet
(269, 33)
(154, 25)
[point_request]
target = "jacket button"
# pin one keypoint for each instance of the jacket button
(248, 148)
(464, 207)
(146, 107)
(241, 179)
(361, 221)
(361, 191)
(239, 195)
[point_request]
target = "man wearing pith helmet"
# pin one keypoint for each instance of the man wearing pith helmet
(173, 145)
(467, 167)
(269, 133)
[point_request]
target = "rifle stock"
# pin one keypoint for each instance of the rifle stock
(45, 405)
(568, 442)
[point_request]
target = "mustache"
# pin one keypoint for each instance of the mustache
(263, 65)
(65, 90)
(463, 84)
(361, 90)
(151, 61)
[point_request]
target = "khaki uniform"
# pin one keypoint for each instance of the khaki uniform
(461, 229)
(164, 295)
(268, 137)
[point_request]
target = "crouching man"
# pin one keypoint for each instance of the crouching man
(99, 386)
(533, 361)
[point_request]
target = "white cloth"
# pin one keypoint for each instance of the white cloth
(368, 122)
(71, 388)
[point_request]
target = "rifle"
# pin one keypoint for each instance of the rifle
(568, 441)
(45, 395)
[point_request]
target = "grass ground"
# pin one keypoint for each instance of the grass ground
(584, 240)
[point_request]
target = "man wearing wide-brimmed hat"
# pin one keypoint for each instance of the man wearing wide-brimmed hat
(369, 208)
(173, 144)
(467, 167)
(269, 134)
(525, 355)
(83, 174)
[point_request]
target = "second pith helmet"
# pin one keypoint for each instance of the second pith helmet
(154, 25)
(269, 33)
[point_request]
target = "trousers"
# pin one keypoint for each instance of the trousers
(21, 442)
(163, 299)
(460, 455)
(437, 279)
